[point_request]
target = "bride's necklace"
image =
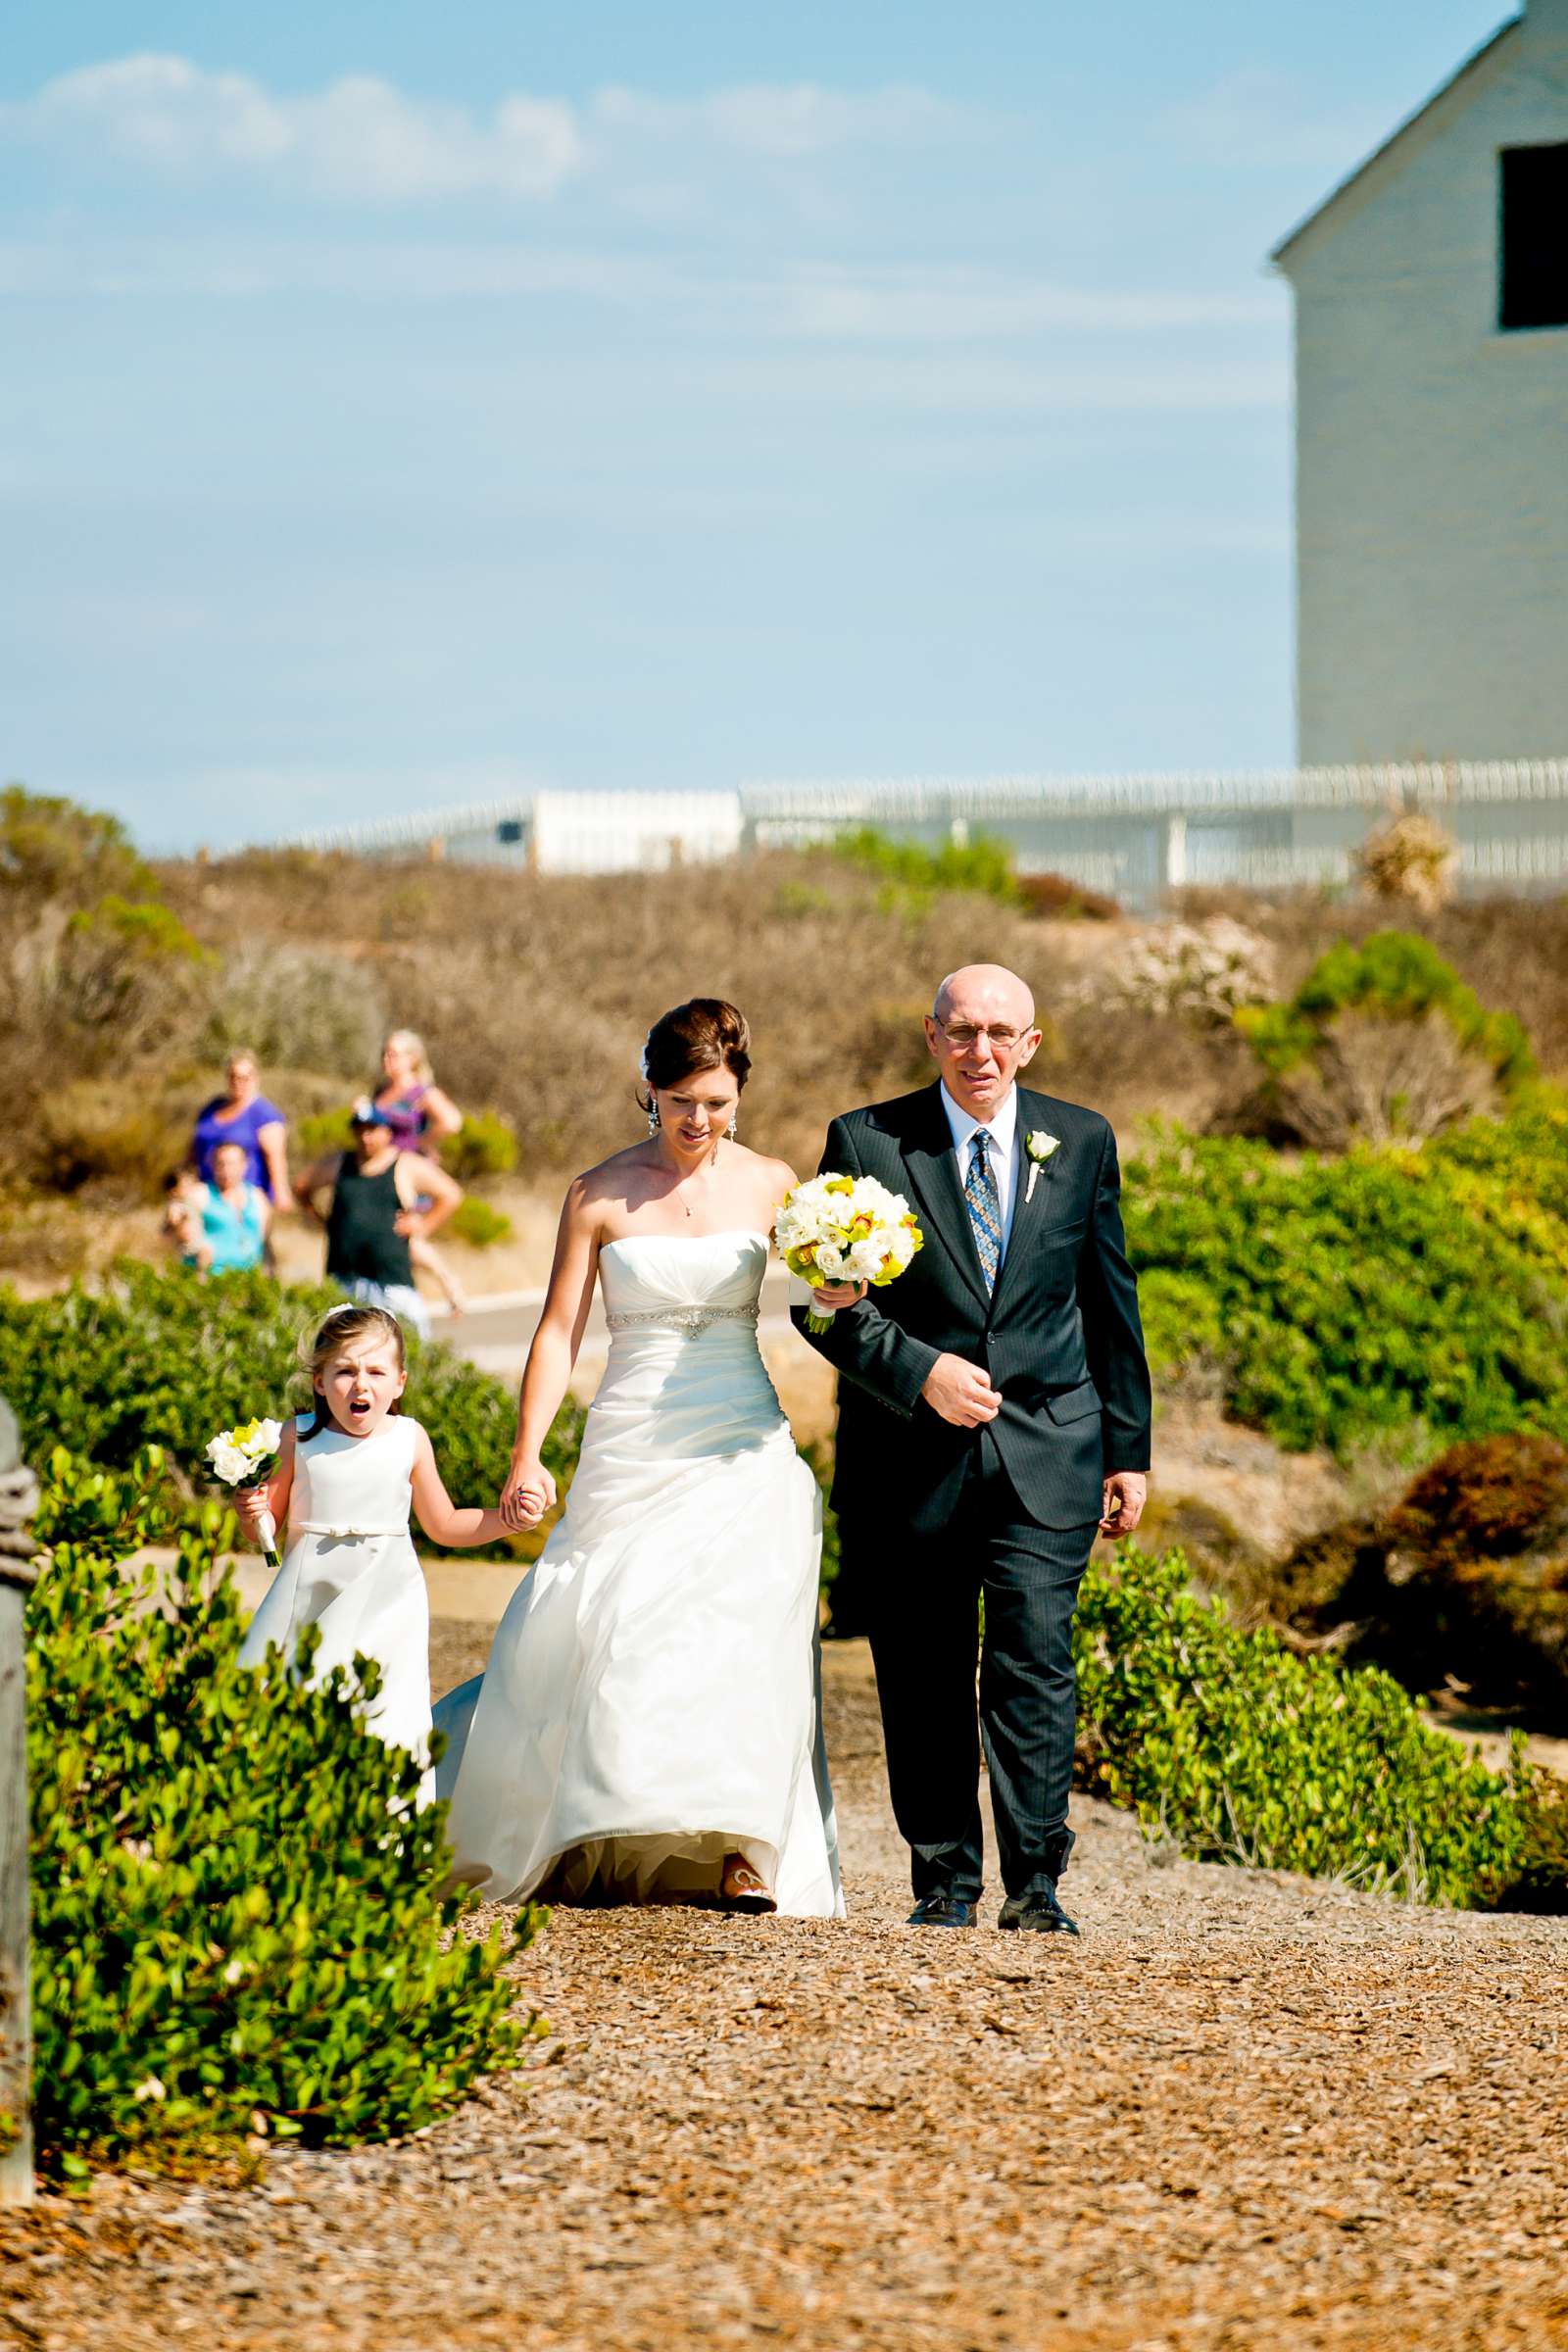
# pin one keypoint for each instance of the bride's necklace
(712, 1161)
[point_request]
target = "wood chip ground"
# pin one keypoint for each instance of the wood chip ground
(1245, 2111)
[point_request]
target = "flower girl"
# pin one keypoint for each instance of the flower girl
(346, 1477)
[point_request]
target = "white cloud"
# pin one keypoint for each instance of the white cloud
(777, 120)
(360, 140)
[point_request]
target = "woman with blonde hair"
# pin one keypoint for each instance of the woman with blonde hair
(415, 1110)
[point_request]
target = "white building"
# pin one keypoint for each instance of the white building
(1432, 424)
(555, 832)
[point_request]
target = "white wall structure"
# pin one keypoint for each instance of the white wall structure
(1137, 837)
(1431, 431)
(555, 832)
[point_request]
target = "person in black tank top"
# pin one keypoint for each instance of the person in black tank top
(371, 1192)
(363, 1243)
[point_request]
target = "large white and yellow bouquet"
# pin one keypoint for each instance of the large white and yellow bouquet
(836, 1229)
(246, 1457)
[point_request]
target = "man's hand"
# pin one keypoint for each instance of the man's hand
(1123, 1502)
(960, 1392)
(834, 1297)
(529, 1492)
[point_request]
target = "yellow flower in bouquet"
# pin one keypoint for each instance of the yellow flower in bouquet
(836, 1229)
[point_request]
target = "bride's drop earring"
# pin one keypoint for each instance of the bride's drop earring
(653, 1116)
(730, 1133)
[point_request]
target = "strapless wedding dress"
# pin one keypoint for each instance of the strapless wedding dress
(651, 1700)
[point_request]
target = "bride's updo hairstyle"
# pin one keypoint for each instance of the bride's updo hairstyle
(705, 1033)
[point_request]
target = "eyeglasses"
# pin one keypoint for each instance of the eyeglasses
(963, 1034)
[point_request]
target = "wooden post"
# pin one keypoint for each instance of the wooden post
(16, 2035)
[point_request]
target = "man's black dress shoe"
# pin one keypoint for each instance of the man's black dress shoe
(942, 1911)
(1040, 1910)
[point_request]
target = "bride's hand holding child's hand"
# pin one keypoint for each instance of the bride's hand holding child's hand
(529, 1492)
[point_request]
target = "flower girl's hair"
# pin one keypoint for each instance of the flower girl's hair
(340, 1327)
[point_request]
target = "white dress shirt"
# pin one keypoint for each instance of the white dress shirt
(1003, 1129)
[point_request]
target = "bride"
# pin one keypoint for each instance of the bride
(648, 1727)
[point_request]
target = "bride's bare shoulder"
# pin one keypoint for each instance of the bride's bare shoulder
(606, 1182)
(775, 1176)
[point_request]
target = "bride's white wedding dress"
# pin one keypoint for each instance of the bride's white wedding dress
(650, 1704)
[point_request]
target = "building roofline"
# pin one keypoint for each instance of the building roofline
(1395, 138)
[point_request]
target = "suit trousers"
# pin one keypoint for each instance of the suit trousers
(921, 1597)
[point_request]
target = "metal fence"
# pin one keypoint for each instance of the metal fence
(1135, 836)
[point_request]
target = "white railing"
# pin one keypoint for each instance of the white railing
(915, 800)
(1137, 835)
(417, 832)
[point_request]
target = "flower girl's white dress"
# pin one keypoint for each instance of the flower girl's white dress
(651, 1701)
(351, 1568)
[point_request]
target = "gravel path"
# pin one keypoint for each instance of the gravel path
(1244, 2111)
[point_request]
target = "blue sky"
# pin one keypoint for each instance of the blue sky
(401, 404)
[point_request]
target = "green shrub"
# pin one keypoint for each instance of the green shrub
(236, 1915)
(323, 1132)
(1239, 1750)
(918, 869)
(158, 1358)
(485, 1144)
(52, 848)
(1394, 976)
(478, 1225)
(1349, 1300)
(1513, 1173)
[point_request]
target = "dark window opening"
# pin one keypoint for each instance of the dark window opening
(1534, 205)
(509, 829)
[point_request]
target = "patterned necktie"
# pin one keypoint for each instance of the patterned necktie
(985, 1207)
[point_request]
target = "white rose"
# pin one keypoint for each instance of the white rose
(228, 1463)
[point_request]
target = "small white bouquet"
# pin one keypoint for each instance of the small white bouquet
(845, 1229)
(246, 1457)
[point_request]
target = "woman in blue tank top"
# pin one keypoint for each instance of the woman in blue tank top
(236, 1215)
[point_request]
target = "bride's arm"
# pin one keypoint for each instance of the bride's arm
(530, 1490)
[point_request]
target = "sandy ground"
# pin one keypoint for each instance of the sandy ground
(1245, 2111)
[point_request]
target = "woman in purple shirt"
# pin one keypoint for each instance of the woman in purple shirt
(243, 1115)
(417, 1113)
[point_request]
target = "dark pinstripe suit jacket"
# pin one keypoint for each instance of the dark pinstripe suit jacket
(1059, 1334)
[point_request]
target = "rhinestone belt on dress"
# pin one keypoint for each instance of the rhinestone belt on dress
(690, 1319)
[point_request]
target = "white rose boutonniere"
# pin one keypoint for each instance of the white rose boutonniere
(1040, 1146)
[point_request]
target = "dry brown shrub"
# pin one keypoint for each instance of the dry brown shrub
(306, 1008)
(1491, 1497)
(535, 991)
(121, 1133)
(1463, 1583)
(541, 1008)
(1410, 861)
(1372, 1081)
(1059, 899)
